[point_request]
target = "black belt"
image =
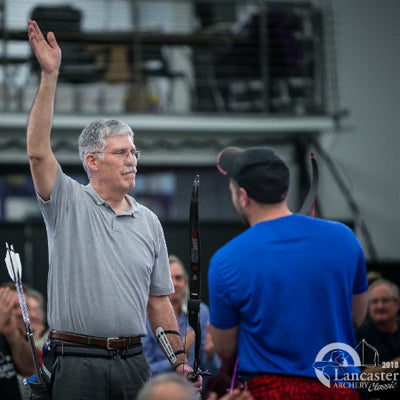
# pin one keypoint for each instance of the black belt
(72, 349)
(111, 343)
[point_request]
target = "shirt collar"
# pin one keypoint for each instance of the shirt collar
(133, 209)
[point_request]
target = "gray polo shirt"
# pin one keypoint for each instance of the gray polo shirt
(103, 265)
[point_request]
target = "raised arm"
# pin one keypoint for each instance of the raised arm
(41, 158)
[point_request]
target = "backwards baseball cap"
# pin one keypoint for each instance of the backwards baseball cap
(259, 170)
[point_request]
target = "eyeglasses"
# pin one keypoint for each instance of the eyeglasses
(122, 153)
(178, 278)
(383, 300)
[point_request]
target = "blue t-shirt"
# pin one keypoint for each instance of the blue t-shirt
(288, 283)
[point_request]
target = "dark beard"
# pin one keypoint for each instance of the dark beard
(243, 217)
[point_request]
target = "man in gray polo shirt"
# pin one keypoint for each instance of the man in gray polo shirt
(108, 257)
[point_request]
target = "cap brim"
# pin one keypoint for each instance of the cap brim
(226, 159)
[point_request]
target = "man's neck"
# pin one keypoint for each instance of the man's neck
(267, 213)
(118, 201)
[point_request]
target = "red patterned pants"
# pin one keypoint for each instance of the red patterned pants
(282, 387)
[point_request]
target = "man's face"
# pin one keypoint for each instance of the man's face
(118, 169)
(35, 313)
(179, 281)
(383, 307)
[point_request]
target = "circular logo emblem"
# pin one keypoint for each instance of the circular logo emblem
(336, 365)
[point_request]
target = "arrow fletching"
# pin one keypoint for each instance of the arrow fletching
(14, 267)
(9, 263)
(17, 263)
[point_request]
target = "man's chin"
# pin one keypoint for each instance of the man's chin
(131, 185)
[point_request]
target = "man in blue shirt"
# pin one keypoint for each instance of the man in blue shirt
(285, 288)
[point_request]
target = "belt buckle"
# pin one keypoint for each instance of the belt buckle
(108, 342)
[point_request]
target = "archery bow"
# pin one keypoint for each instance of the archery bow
(195, 280)
(309, 202)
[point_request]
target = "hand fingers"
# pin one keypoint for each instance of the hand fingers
(52, 40)
(33, 31)
(36, 30)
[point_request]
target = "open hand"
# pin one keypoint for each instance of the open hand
(47, 52)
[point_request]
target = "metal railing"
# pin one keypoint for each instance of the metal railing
(246, 56)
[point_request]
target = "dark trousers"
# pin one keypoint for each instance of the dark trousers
(99, 378)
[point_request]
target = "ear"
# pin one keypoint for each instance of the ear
(244, 198)
(92, 161)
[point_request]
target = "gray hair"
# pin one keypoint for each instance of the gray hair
(392, 286)
(38, 296)
(92, 137)
(146, 392)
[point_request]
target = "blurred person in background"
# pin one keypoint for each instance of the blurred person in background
(383, 334)
(15, 354)
(37, 314)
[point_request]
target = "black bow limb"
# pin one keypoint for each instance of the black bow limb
(195, 280)
(310, 200)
